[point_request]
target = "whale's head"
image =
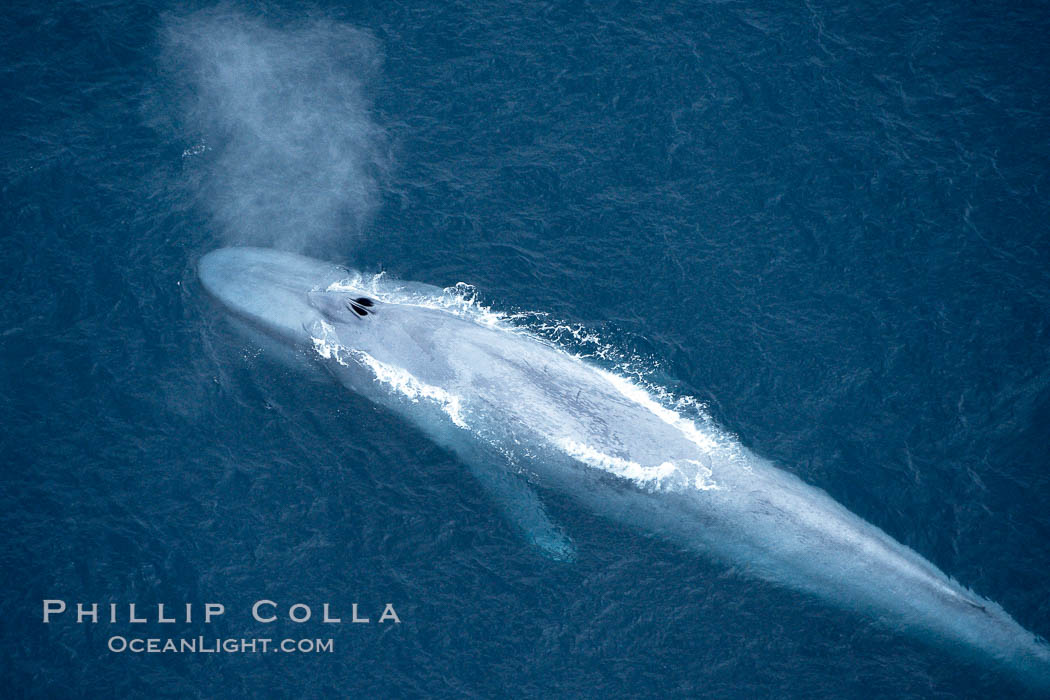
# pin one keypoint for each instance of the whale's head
(282, 294)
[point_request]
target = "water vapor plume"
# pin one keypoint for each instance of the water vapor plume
(279, 120)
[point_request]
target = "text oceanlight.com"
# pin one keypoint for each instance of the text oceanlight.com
(203, 645)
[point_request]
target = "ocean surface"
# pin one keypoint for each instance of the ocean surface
(826, 223)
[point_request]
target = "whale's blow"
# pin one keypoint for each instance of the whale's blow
(281, 118)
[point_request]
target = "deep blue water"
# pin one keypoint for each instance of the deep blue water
(829, 223)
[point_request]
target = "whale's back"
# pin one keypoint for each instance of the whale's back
(580, 424)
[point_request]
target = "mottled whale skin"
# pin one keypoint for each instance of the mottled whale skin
(511, 404)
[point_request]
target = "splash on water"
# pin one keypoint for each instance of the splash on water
(628, 376)
(397, 379)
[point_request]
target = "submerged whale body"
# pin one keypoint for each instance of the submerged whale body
(510, 403)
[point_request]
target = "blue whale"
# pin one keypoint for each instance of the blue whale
(518, 410)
